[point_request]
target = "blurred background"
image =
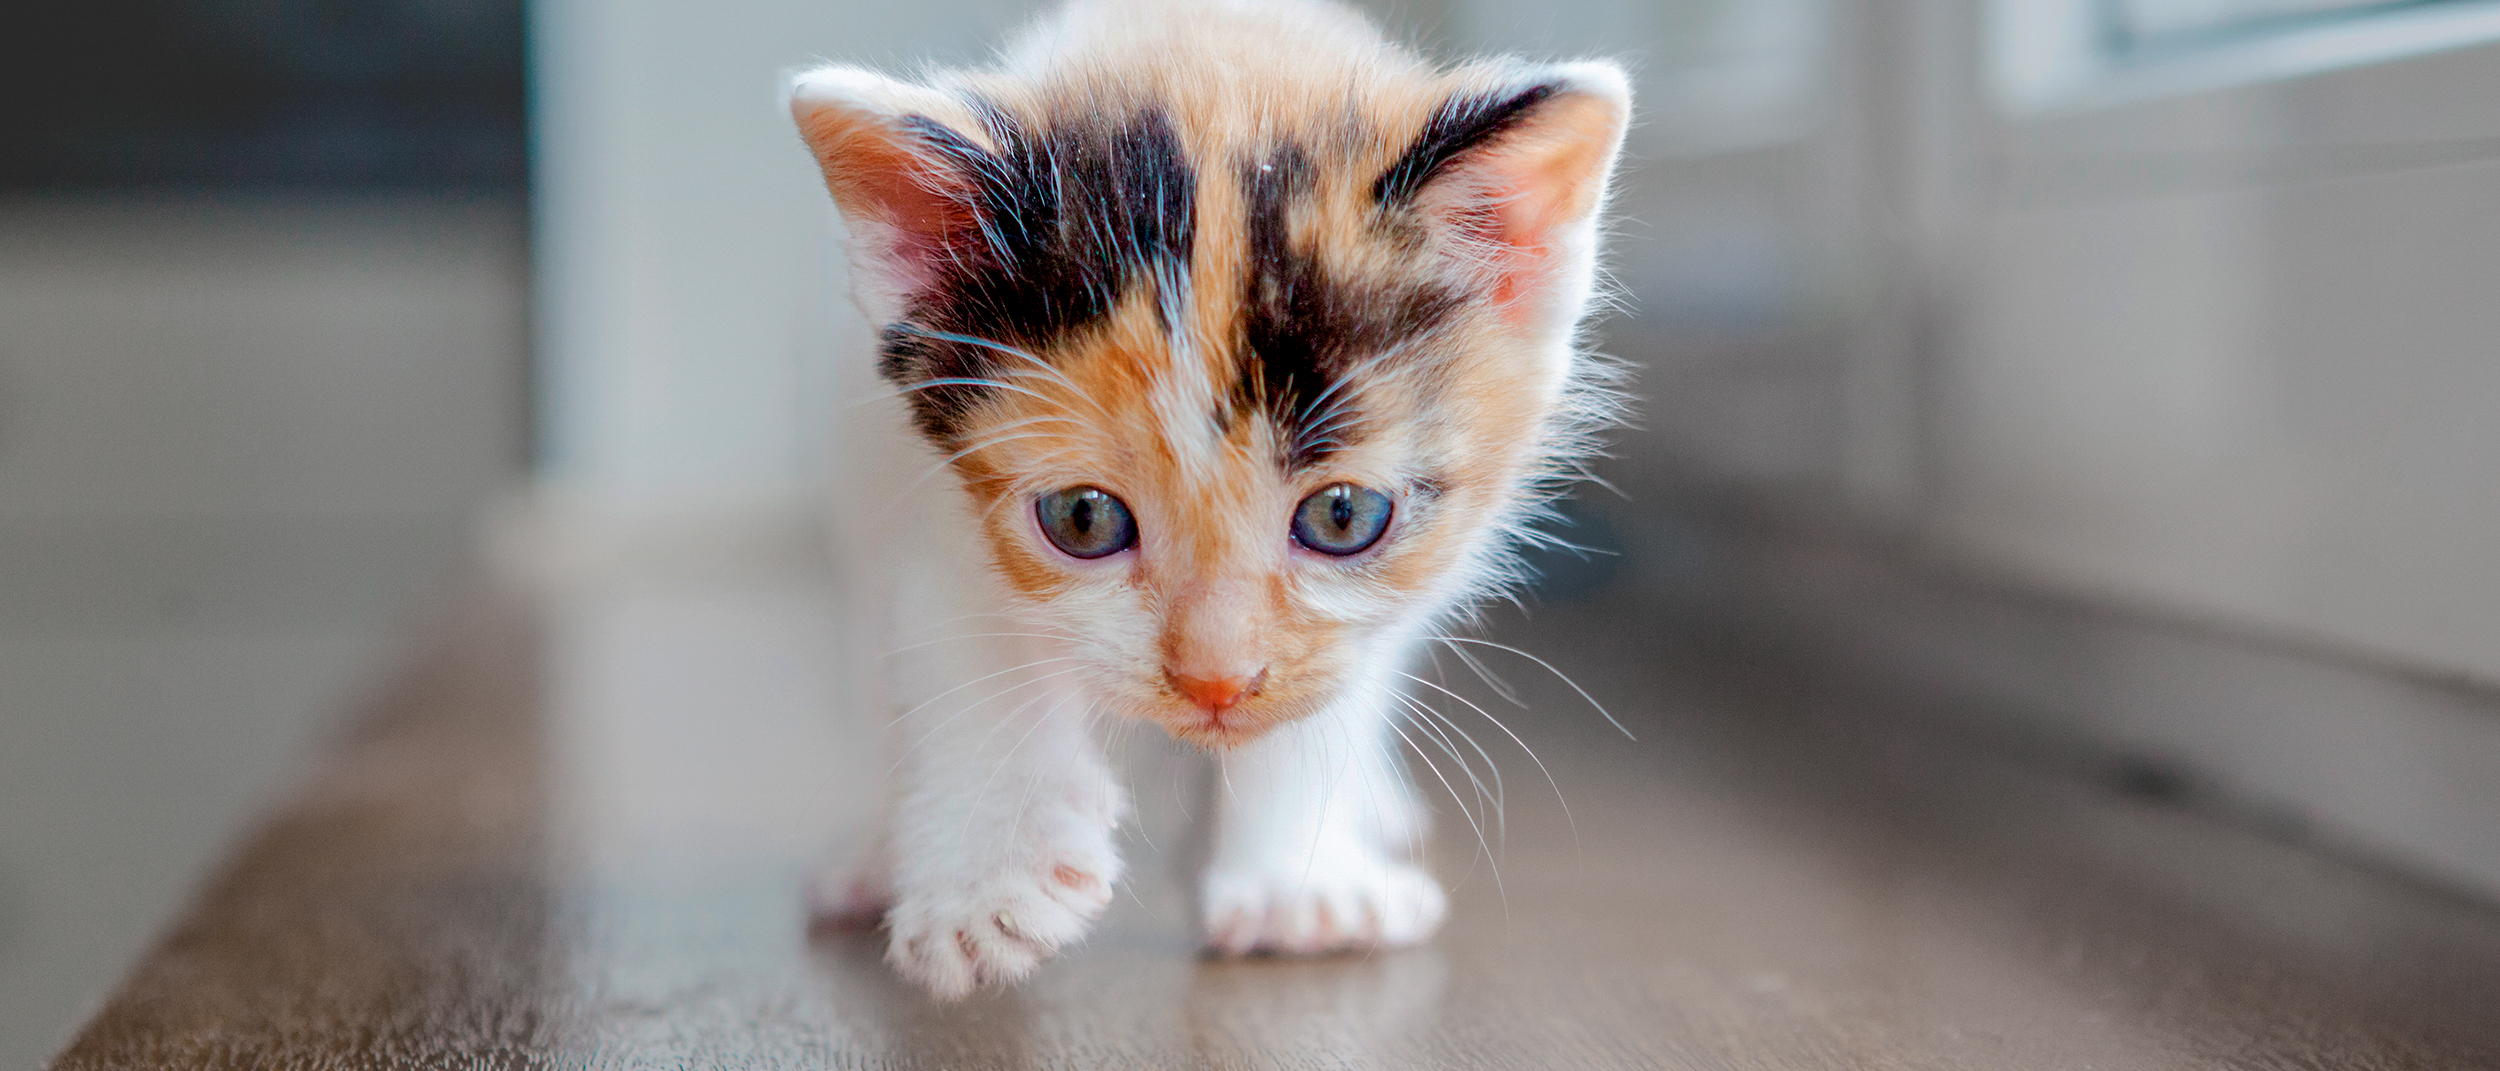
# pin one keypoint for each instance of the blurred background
(2126, 362)
(264, 353)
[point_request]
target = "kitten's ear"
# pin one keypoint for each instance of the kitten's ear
(897, 160)
(1517, 170)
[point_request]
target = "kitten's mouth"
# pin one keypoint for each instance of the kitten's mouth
(1218, 713)
(1230, 727)
(1216, 732)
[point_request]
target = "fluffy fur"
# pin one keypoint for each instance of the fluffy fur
(1210, 259)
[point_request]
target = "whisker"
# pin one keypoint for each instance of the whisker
(976, 680)
(953, 381)
(1405, 785)
(1523, 747)
(997, 438)
(960, 618)
(1501, 805)
(968, 451)
(988, 344)
(1353, 375)
(1549, 668)
(1339, 419)
(1422, 717)
(969, 708)
(984, 744)
(1500, 687)
(974, 811)
(1481, 843)
(1311, 861)
(974, 636)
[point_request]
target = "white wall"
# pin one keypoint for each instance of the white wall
(693, 328)
(2235, 354)
(194, 358)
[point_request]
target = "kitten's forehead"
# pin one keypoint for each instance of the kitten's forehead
(1286, 278)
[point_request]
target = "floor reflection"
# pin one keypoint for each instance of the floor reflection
(589, 848)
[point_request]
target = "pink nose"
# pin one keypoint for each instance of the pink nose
(1218, 694)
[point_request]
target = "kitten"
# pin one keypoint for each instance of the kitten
(1246, 343)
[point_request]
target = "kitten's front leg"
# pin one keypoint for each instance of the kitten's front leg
(1317, 832)
(999, 845)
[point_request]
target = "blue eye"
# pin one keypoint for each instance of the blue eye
(1086, 522)
(1341, 519)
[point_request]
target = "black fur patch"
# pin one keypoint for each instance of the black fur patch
(1458, 125)
(1304, 331)
(1068, 220)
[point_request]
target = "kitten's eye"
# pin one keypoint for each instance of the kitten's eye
(1341, 519)
(1086, 522)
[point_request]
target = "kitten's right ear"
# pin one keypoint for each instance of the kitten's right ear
(896, 157)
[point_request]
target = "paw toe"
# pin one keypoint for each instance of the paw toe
(996, 935)
(1386, 905)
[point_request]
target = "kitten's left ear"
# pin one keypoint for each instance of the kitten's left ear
(1516, 168)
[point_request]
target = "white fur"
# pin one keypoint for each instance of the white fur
(995, 845)
(1318, 835)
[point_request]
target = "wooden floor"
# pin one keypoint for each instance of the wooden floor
(571, 833)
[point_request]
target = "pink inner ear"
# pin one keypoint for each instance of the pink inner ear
(877, 173)
(1518, 223)
(1517, 199)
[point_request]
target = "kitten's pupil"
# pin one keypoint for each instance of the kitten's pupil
(1082, 516)
(1340, 508)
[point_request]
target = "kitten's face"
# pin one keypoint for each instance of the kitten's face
(1223, 570)
(1242, 399)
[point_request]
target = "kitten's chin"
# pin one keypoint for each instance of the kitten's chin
(1220, 731)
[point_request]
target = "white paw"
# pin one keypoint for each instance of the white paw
(1360, 903)
(998, 929)
(960, 929)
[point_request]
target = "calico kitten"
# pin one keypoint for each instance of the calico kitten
(1246, 343)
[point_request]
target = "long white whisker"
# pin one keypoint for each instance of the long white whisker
(975, 810)
(1481, 843)
(974, 636)
(998, 431)
(958, 619)
(953, 381)
(1421, 717)
(976, 680)
(998, 440)
(989, 344)
(975, 705)
(1499, 796)
(1549, 668)
(1500, 687)
(983, 745)
(1341, 418)
(1524, 749)
(1353, 375)
(1311, 860)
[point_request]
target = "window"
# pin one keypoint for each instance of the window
(2053, 55)
(2137, 26)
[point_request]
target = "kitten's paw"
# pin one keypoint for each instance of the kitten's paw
(1358, 904)
(999, 929)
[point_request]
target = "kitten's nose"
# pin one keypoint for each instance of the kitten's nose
(1216, 694)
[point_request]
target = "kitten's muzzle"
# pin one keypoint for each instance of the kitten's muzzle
(1216, 694)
